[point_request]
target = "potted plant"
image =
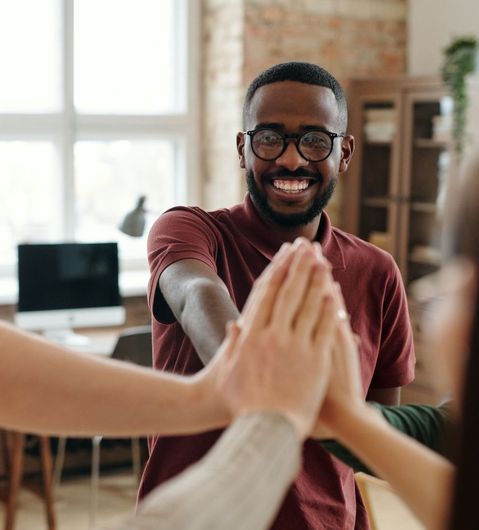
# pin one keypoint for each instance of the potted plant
(460, 59)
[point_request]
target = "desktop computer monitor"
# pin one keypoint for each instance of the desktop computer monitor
(68, 285)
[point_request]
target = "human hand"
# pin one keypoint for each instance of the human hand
(345, 390)
(448, 298)
(278, 354)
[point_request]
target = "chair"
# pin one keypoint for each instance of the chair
(386, 511)
(13, 446)
(133, 345)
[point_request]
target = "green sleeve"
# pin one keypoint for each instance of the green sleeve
(425, 423)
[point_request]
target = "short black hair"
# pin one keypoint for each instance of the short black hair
(301, 72)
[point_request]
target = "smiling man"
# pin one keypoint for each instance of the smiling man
(290, 186)
(293, 148)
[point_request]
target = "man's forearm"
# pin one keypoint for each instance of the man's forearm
(200, 302)
(385, 396)
(207, 310)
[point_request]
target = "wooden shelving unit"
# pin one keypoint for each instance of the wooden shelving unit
(396, 175)
(391, 188)
(394, 180)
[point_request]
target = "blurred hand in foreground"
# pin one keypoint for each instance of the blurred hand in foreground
(277, 356)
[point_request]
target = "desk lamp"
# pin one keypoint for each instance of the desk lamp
(133, 223)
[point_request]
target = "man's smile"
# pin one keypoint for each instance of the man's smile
(292, 188)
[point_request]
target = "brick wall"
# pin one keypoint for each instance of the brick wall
(243, 37)
(348, 37)
(223, 27)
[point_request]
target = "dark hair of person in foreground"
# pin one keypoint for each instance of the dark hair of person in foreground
(462, 240)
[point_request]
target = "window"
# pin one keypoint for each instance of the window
(96, 109)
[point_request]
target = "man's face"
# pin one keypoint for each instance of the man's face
(291, 191)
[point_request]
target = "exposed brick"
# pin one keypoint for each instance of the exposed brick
(243, 37)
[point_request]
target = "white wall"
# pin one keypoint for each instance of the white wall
(432, 24)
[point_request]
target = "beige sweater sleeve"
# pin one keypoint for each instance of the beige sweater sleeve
(238, 485)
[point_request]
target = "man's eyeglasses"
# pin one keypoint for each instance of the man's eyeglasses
(313, 146)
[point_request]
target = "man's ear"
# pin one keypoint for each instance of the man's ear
(240, 141)
(347, 150)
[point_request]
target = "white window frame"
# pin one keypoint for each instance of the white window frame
(66, 127)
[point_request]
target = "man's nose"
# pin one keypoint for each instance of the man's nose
(291, 158)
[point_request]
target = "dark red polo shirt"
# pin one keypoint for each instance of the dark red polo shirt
(237, 245)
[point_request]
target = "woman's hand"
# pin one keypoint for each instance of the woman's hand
(345, 389)
(277, 356)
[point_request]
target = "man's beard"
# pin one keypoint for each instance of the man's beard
(288, 220)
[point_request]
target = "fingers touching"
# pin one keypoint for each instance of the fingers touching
(280, 359)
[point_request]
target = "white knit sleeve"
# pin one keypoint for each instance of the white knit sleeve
(238, 485)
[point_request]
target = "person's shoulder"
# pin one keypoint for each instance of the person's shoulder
(179, 215)
(185, 211)
(196, 211)
(354, 246)
(364, 260)
(189, 223)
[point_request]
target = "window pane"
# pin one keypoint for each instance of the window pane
(125, 56)
(30, 55)
(30, 198)
(110, 176)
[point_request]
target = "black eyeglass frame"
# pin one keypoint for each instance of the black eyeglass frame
(297, 140)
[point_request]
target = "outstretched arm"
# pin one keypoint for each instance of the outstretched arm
(49, 389)
(238, 485)
(422, 478)
(288, 318)
(200, 302)
(426, 424)
(46, 388)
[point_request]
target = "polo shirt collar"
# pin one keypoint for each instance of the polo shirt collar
(267, 241)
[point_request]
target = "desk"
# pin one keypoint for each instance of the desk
(102, 341)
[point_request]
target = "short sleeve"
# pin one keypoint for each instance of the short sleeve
(178, 234)
(396, 359)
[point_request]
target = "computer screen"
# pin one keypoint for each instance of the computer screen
(67, 285)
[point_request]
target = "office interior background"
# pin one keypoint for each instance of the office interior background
(105, 101)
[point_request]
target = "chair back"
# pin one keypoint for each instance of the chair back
(386, 511)
(134, 346)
